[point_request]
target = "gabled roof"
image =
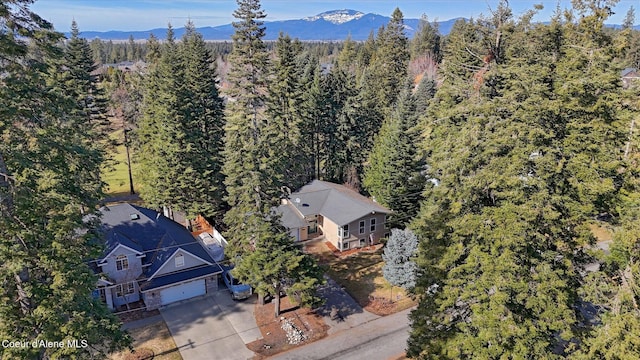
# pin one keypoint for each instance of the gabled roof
(333, 201)
(148, 232)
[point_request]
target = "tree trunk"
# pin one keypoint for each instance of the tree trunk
(276, 303)
(628, 146)
(260, 299)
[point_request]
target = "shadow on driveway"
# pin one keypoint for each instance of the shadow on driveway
(340, 310)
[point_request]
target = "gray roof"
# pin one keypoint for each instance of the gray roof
(289, 217)
(627, 71)
(174, 278)
(333, 201)
(151, 233)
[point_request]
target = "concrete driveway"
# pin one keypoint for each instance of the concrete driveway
(213, 327)
(349, 313)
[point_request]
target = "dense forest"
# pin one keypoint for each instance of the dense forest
(500, 146)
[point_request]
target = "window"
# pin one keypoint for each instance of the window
(343, 232)
(362, 227)
(179, 260)
(345, 245)
(130, 288)
(122, 263)
(362, 242)
(386, 222)
(386, 235)
(373, 225)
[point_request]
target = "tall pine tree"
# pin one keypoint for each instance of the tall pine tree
(519, 178)
(49, 191)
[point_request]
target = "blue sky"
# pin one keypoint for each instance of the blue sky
(102, 15)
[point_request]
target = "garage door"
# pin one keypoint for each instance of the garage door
(182, 292)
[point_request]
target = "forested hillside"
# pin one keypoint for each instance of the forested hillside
(501, 146)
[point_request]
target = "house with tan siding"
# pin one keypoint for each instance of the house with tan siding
(344, 217)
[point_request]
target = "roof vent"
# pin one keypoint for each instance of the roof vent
(305, 205)
(297, 200)
(134, 216)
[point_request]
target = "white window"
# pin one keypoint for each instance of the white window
(386, 222)
(345, 245)
(343, 232)
(122, 263)
(128, 288)
(179, 260)
(362, 227)
(373, 225)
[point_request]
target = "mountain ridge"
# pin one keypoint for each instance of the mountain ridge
(332, 25)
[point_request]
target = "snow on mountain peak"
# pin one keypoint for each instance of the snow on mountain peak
(337, 16)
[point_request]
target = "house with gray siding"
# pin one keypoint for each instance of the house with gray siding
(152, 258)
(344, 217)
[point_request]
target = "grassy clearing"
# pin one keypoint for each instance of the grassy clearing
(155, 338)
(117, 174)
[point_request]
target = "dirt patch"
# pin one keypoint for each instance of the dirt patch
(152, 339)
(274, 338)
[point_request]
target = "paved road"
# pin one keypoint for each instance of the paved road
(380, 339)
(210, 327)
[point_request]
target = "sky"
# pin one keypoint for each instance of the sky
(134, 15)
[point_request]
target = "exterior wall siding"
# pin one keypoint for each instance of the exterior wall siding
(170, 265)
(119, 276)
(377, 234)
(125, 298)
(330, 230)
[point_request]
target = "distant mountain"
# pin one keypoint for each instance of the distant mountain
(328, 26)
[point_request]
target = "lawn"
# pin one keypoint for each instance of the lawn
(117, 174)
(151, 342)
(361, 275)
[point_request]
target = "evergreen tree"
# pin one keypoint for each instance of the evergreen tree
(503, 233)
(202, 117)
(276, 267)
(399, 267)
(253, 185)
(80, 82)
(160, 132)
(426, 41)
(389, 66)
(284, 110)
(97, 49)
(347, 56)
(394, 172)
(180, 134)
(49, 191)
(615, 289)
(255, 168)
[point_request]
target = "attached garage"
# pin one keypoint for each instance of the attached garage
(182, 292)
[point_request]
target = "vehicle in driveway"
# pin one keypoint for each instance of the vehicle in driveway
(238, 290)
